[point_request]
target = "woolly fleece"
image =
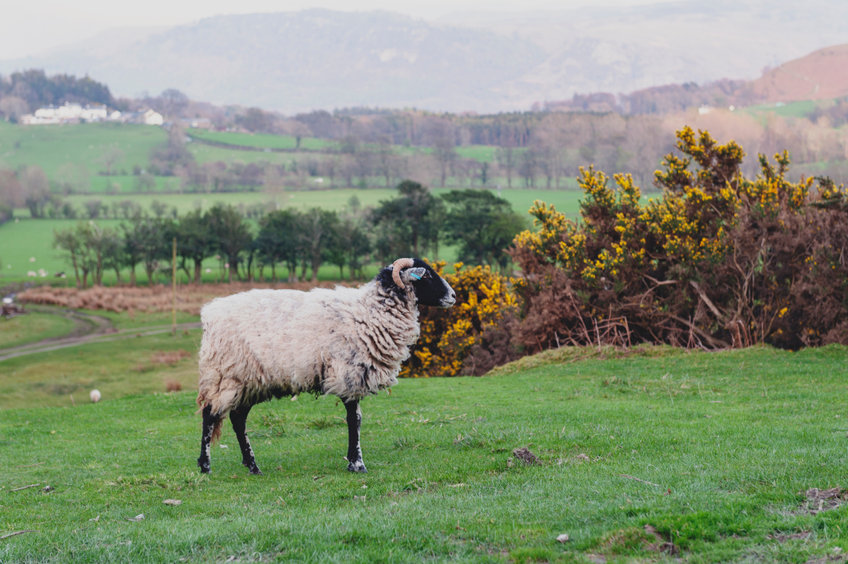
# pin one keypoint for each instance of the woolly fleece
(349, 342)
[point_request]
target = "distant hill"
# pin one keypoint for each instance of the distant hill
(477, 61)
(298, 61)
(821, 75)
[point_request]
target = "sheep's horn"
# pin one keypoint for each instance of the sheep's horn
(399, 265)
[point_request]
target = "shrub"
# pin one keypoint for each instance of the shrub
(719, 260)
(459, 340)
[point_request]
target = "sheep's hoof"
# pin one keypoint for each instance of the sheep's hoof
(204, 468)
(255, 470)
(357, 466)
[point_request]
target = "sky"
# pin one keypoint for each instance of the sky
(36, 26)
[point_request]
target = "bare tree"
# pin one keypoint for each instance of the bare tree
(36, 189)
(507, 161)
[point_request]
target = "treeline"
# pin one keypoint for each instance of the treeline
(661, 100)
(478, 224)
(25, 91)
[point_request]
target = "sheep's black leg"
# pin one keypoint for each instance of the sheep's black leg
(209, 422)
(238, 417)
(354, 453)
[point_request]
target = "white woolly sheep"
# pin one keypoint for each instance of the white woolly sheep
(349, 342)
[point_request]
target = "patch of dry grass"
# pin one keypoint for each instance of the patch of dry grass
(149, 299)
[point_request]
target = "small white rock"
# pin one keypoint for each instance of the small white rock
(172, 501)
(563, 538)
(94, 395)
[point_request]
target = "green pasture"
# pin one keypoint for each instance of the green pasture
(798, 109)
(62, 149)
(261, 140)
(482, 153)
(33, 326)
(26, 246)
(642, 456)
(213, 153)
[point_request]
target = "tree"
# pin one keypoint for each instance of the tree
(482, 224)
(279, 240)
(257, 120)
(73, 178)
(102, 250)
(349, 244)
(111, 157)
(133, 234)
(409, 223)
(316, 235)
(68, 241)
(172, 156)
(155, 240)
(446, 156)
(230, 235)
(173, 103)
(11, 191)
(113, 251)
(194, 242)
(36, 189)
(93, 208)
(12, 108)
(507, 161)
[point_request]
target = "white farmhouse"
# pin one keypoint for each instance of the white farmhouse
(66, 113)
(152, 117)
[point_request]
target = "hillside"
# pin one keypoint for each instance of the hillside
(480, 61)
(822, 75)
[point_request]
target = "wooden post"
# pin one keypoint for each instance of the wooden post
(174, 289)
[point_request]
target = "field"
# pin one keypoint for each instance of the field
(261, 140)
(86, 145)
(645, 455)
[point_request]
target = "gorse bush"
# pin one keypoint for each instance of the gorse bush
(719, 260)
(459, 340)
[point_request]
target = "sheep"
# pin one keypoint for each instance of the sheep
(348, 342)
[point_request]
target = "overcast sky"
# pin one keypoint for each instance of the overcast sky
(34, 26)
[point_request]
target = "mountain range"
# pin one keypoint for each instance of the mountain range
(473, 61)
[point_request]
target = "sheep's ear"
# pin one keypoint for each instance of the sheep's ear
(417, 273)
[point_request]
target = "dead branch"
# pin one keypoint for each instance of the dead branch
(712, 341)
(24, 487)
(13, 533)
(706, 300)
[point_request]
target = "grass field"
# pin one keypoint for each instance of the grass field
(52, 147)
(261, 140)
(790, 109)
(663, 455)
(34, 326)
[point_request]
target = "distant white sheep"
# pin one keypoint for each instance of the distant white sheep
(349, 342)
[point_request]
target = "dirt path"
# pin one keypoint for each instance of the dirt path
(88, 328)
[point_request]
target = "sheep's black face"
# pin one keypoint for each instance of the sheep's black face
(430, 288)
